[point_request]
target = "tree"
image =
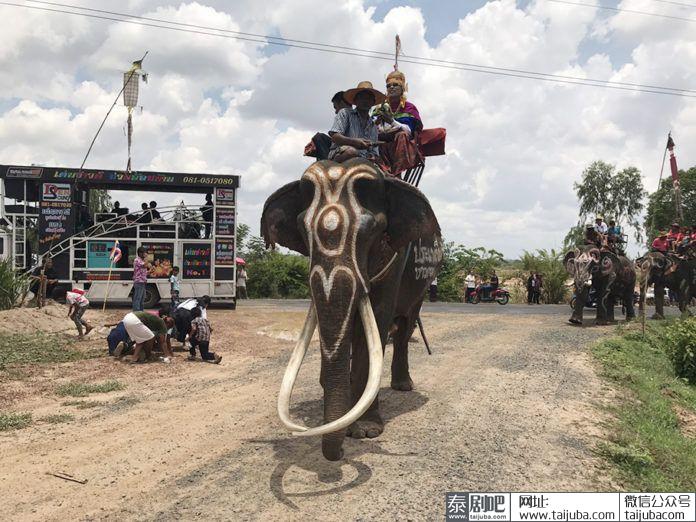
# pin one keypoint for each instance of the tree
(661, 212)
(548, 263)
(617, 195)
(457, 261)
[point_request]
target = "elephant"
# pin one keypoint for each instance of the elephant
(611, 275)
(670, 271)
(374, 246)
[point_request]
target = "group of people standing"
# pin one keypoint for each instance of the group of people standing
(371, 125)
(535, 283)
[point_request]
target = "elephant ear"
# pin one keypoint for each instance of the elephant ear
(608, 262)
(279, 218)
(569, 262)
(409, 214)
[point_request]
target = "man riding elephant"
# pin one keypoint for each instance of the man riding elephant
(374, 247)
(667, 270)
(613, 278)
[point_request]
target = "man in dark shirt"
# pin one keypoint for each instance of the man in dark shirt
(494, 282)
(46, 271)
(207, 213)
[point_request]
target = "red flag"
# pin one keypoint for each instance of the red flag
(672, 160)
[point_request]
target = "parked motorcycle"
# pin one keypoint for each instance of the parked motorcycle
(485, 294)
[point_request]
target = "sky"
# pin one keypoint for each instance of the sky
(222, 105)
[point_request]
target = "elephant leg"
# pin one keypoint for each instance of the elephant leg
(611, 305)
(628, 304)
(602, 308)
(401, 379)
(578, 309)
(370, 425)
(659, 302)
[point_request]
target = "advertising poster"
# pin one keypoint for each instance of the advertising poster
(196, 262)
(224, 252)
(224, 197)
(56, 216)
(224, 222)
(161, 256)
(98, 254)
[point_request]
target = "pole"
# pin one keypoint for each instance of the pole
(422, 332)
(109, 112)
(662, 169)
(108, 285)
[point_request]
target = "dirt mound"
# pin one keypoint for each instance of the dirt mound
(52, 318)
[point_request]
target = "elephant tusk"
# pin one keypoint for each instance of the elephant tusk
(294, 368)
(374, 348)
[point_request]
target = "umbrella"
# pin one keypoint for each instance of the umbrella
(240, 261)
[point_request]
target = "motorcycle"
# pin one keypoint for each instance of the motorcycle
(486, 294)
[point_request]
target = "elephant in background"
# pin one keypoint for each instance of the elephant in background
(374, 246)
(668, 271)
(613, 277)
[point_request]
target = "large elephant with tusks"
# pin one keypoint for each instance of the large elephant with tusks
(374, 247)
(612, 276)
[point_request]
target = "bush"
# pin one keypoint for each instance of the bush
(549, 263)
(680, 343)
(13, 285)
(278, 275)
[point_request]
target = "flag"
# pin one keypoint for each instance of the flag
(672, 159)
(115, 255)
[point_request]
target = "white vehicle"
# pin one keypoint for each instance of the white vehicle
(44, 212)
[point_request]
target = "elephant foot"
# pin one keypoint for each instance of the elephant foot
(402, 384)
(573, 320)
(657, 316)
(370, 425)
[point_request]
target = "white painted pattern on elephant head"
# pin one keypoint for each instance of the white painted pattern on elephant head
(330, 214)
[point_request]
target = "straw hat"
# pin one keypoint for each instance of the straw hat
(350, 94)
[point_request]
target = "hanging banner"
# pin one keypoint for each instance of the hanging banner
(56, 216)
(224, 196)
(161, 257)
(224, 222)
(196, 261)
(224, 252)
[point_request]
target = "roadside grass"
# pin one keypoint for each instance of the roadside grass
(83, 389)
(14, 421)
(37, 347)
(648, 448)
(58, 418)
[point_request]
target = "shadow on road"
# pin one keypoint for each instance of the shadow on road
(305, 453)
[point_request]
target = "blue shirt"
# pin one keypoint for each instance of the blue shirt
(117, 335)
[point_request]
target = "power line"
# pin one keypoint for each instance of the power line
(415, 60)
(681, 4)
(623, 10)
(283, 41)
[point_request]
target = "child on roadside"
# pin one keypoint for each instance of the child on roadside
(78, 306)
(174, 286)
(200, 337)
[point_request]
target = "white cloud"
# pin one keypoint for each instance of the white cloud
(515, 146)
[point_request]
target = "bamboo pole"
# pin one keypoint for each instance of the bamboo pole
(108, 285)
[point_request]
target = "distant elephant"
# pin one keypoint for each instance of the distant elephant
(374, 246)
(668, 271)
(613, 277)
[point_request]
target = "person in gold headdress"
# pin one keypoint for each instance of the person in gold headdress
(400, 123)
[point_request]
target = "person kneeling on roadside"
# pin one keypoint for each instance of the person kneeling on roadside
(78, 306)
(200, 337)
(143, 327)
(117, 340)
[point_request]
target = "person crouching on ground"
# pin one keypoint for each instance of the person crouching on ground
(78, 306)
(142, 327)
(200, 337)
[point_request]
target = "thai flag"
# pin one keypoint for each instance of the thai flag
(115, 255)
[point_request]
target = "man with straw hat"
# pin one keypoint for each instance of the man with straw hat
(353, 133)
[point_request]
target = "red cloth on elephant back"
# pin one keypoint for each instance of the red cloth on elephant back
(400, 154)
(431, 142)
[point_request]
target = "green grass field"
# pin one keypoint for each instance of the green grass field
(649, 445)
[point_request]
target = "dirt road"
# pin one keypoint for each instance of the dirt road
(506, 402)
